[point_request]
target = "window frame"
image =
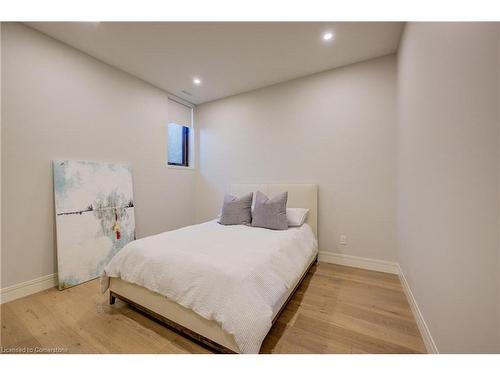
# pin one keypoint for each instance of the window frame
(186, 150)
(191, 141)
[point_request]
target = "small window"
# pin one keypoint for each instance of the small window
(180, 135)
(178, 145)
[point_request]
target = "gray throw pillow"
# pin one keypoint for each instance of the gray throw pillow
(270, 213)
(236, 211)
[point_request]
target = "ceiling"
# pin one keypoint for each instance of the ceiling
(229, 58)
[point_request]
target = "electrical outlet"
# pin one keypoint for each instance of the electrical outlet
(343, 239)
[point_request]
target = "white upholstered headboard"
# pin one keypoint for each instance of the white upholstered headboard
(299, 195)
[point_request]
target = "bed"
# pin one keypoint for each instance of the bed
(223, 286)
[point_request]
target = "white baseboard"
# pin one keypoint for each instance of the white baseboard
(388, 267)
(26, 288)
(430, 345)
(359, 262)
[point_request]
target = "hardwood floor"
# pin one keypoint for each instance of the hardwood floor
(337, 309)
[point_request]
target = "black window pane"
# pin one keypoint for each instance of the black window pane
(178, 144)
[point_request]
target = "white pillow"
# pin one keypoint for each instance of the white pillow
(296, 216)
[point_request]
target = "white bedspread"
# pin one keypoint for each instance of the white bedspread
(231, 274)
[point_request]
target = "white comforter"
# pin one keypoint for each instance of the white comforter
(231, 274)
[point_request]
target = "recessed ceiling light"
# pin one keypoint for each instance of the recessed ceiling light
(328, 36)
(197, 81)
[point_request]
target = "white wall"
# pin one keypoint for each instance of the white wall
(448, 139)
(58, 103)
(337, 129)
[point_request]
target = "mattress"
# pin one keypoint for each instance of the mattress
(237, 276)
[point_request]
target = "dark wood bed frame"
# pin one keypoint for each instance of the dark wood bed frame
(184, 331)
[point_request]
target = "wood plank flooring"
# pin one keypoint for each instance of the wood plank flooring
(337, 309)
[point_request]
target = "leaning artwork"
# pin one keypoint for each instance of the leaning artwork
(94, 209)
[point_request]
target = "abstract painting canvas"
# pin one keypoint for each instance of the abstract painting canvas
(94, 209)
